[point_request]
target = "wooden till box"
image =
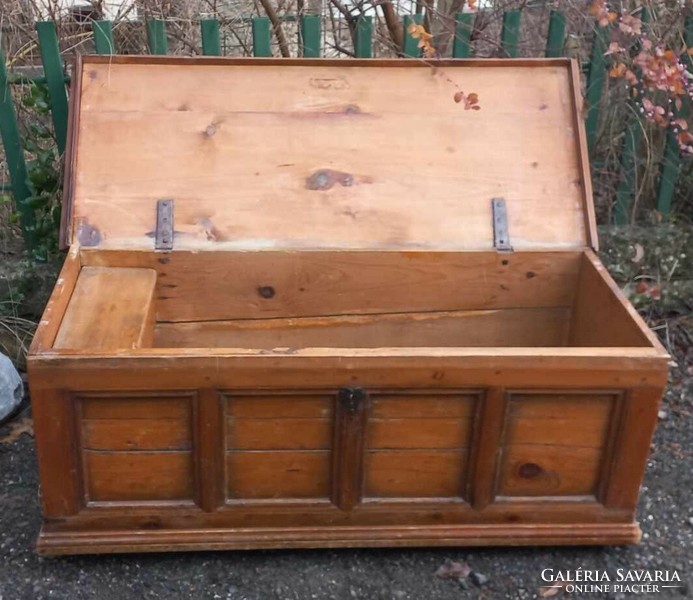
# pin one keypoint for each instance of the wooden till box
(290, 316)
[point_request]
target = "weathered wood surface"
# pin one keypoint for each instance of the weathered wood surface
(602, 316)
(365, 155)
(136, 448)
(110, 309)
(554, 444)
(205, 286)
(53, 314)
(509, 327)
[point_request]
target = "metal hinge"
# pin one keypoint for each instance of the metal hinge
(501, 236)
(163, 239)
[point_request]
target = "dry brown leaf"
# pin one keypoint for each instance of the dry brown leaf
(614, 48)
(17, 428)
(642, 287)
(681, 124)
(618, 70)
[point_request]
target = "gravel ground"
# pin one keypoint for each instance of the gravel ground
(666, 516)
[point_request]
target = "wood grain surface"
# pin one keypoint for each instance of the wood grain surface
(110, 309)
(366, 157)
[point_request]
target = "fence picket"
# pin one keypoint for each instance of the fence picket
(461, 47)
(310, 36)
(55, 79)
(156, 36)
(510, 32)
(671, 161)
(555, 39)
(363, 37)
(103, 37)
(261, 37)
(211, 42)
(411, 45)
(595, 84)
(625, 191)
(14, 155)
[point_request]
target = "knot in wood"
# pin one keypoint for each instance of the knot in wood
(325, 179)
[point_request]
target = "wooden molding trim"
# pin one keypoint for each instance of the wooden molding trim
(55, 543)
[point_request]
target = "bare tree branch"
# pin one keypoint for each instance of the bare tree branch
(276, 26)
(392, 22)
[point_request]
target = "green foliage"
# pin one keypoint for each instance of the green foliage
(653, 264)
(7, 203)
(43, 170)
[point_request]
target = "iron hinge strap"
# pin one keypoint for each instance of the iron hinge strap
(163, 239)
(501, 235)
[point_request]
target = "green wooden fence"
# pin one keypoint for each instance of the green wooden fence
(310, 33)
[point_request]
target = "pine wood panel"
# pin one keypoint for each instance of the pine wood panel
(194, 286)
(301, 405)
(278, 434)
(278, 445)
(138, 476)
(53, 412)
(514, 327)
(328, 368)
(601, 314)
(417, 444)
(110, 309)
(632, 439)
(423, 405)
(135, 407)
(418, 433)
(139, 434)
(414, 473)
(351, 173)
(136, 448)
(278, 474)
(549, 470)
(555, 444)
(589, 407)
(54, 311)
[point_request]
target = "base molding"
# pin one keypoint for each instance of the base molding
(53, 543)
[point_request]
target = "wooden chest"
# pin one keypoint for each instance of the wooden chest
(314, 303)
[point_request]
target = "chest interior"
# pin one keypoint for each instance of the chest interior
(294, 300)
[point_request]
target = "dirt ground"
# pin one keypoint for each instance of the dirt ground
(666, 516)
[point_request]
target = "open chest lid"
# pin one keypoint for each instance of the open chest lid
(244, 154)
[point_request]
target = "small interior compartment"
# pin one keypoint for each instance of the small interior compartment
(292, 300)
